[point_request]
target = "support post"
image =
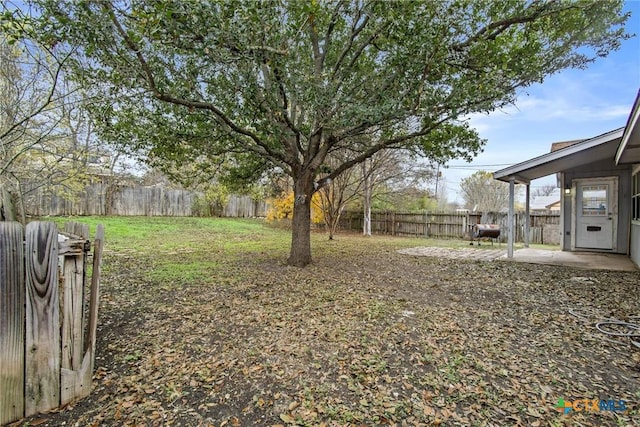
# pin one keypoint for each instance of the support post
(527, 216)
(512, 182)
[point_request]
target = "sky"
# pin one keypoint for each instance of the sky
(574, 104)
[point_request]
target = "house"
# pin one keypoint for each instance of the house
(599, 179)
(553, 206)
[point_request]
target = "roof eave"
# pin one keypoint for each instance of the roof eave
(515, 170)
(630, 152)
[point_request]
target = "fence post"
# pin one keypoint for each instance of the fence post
(42, 389)
(426, 226)
(12, 317)
(90, 342)
(393, 223)
(465, 226)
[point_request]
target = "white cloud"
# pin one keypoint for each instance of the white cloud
(564, 106)
(561, 106)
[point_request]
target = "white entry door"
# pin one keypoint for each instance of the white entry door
(596, 213)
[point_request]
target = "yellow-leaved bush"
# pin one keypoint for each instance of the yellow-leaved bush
(282, 208)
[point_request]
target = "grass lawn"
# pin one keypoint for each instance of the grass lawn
(202, 323)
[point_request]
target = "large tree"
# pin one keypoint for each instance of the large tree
(482, 193)
(282, 84)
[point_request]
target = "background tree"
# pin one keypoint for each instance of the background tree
(284, 84)
(28, 79)
(281, 208)
(545, 190)
(392, 177)
(46, 138)
(337, 194)
(442, 202)
(482, 193)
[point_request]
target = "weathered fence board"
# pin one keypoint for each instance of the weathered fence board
(72, 308)
(72, 305)
(241, 206)
(76, 373)
(104, 199)
(42, 390)
(76, 229)
(45, 357)
(12, 318)
(543, 228)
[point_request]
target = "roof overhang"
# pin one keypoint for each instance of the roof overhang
(629, 148)
(588, 151)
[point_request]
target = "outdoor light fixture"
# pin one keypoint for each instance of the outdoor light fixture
(567, 189)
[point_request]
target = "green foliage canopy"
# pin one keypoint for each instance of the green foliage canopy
(292, 80)
(288, 82)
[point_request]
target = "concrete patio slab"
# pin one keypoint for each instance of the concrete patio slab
(590, 260)
(455, 253)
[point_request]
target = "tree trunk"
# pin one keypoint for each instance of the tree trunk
(333, 224)
(366, 229)
(330, 226)
(7, 212)
(366, 203)
(20, 201)
(300, 255)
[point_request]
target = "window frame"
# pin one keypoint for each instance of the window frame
(635, 196)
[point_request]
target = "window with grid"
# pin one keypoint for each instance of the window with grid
(594, 200)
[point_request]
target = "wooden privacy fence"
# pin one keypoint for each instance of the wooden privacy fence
(47, 320)
(242, 206)
(105, 199)
(543, 228)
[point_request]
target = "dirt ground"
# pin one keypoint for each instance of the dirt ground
(361, 337)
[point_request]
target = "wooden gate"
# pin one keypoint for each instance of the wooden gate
(48, 315)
